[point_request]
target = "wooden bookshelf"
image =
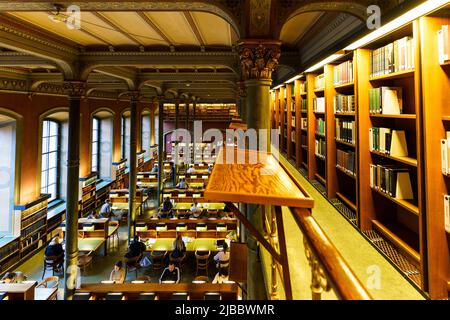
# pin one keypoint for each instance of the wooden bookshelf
(412, 227)
(88, 191)
(119, 173)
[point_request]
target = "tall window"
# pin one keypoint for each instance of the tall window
(51, 149)
(96, 143)
(145, 134)
(125, 137)
(7, 173)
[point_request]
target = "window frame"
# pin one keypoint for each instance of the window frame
(98, 140)
(47, 135)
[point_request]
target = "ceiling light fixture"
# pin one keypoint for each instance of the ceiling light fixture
(325, 61)
(421, 10)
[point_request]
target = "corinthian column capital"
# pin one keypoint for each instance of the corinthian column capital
(258, 58)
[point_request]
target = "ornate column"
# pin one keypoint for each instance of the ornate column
(177, 113)
(194, 105)
(187, 105)
(74, 90)
(258, 59)
(160, 101)
(132, 178)
(241, 100)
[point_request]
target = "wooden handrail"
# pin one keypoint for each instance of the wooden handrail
(340, 275)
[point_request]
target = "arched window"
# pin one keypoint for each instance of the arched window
(125, 136)
(51, 149)
(101, 144)
(145, 134)
(7, 173)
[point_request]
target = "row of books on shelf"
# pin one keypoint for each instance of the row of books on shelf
(320, 126)
(319, 82)
(344, 103)
(303, 88)
(444, 44)
(321, 148)
(345, 131)
(304, 124)
(447, 212)
(8, 249)
(32, 219)
(304, 106)
(293, 122)
(386, 100)
(445, 154)
(388, 141)
(304, 141)
(293, 105)
(293, 139)
(343, 73)
(392, 180)
(393, 57)
(319, 104)
(32, 228)
(345, 160)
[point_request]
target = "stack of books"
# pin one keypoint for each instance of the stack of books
(343, 73)
(344, 103)
(319, 82)
(345, 131)
(394, 57)
(321, 148)
(386, 100)
(320, 126)
(391, 180)
(319, 104)
(346, 161)
(388, 141)
(445, 154)
(443, 44)
(304, 124)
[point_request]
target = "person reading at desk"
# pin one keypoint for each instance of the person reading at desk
(155, 168)
(9, 277)
(118, 273)
(179, 248)
(191, 169)
(136, 249)
(182, 184)
(105, 210)
(166, 208)
(55, 249)
(221, 276)
(210, 167)
(222, 258)
(196, 209)
(171, 273)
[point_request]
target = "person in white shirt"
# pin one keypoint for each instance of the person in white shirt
(182, 184)
(191, 169)
(196, 209)
(221, 276)
(223, 256)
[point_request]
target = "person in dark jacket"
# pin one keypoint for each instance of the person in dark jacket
(136, 249)
(166, 208)
(171, 273)
(55, 249)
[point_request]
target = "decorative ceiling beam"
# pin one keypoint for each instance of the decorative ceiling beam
(126, 74)
(117, 28)
(194, 28)
(149, 21)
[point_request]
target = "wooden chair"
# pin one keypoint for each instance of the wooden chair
(114, 225)
(45, 283)
(158, 259)
(202, 259)
(132, 265)
(85, 261)
(52, 263)
(201, 278)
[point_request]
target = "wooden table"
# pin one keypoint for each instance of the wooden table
(262, 181)
(166, 244)
(86, 245)
(19, 291)
(205, 205)
(45, 293)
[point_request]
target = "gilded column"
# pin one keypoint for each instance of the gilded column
(74, 90)
(132, 181)
(160, 100)
(258, 59)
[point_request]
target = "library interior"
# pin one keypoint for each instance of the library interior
(224, 150)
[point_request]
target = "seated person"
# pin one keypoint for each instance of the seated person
(171, 273)
(196, 209)
(9, 277)
(191, 169)
(221, 276)
(118, 273)
(105, 211)
(182, 184)
(179, 248)
(223, 255)
(155, 168)
(55, 249)
(136, 249)
(210, 167)
(166, 208)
